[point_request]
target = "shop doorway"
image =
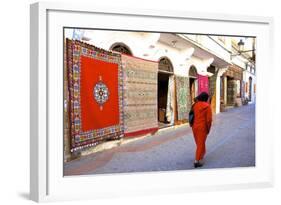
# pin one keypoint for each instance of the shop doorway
(163, 82)
(231, 91)
(250, 89)
(193, 85)
(165, 93)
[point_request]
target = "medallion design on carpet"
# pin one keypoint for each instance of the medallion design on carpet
(95, 86)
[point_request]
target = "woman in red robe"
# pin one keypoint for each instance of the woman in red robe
(201, 126)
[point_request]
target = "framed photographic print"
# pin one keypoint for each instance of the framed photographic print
(122, 97)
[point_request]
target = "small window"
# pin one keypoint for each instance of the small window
(192, 72)
(122, 49)
(165, 65)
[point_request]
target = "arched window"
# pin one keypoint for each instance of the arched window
(192, 72)
(211, 69)
(165, 65)
(121, 48)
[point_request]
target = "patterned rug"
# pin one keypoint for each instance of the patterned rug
(203, 84)
(182, 96)
(95, 86)
(140, 95)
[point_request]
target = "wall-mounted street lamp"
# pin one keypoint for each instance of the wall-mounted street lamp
(240, 45)
(241, 49)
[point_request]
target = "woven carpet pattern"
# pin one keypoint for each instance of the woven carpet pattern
(101, 128)
(140, 95)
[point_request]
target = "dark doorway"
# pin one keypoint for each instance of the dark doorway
(222, 89)
(250, 88)
(192, 82)
(165, 71)
(163, 81)
(231, 91)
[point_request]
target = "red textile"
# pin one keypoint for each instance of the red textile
(201, 127)
(92, 115)
(203, 84)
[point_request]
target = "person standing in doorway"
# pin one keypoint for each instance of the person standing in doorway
(201, 126)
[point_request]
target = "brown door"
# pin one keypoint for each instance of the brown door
(231, 91)
(192, 90)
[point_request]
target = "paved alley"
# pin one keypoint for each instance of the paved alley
(231, 143)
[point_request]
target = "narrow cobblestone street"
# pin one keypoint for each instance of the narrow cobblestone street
(231, 143)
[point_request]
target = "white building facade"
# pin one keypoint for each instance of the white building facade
(190, 55)
(205, 63)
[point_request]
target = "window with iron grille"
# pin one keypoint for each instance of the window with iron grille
(122, 49)
(165, 65)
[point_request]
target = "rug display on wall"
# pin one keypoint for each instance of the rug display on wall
(182, 96)
(95, 86)
(203, 84)
(140, 95)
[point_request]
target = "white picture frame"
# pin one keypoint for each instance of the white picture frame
(46, 102)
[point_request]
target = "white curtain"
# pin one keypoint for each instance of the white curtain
(170, 100)
(196, 88)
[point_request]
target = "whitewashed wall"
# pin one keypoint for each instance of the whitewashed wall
(147, 46)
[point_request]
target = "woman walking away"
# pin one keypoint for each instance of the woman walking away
(201, 126)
